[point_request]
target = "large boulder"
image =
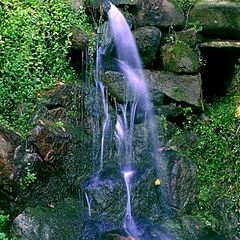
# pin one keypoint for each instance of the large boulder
(180, 58)
(159, 13)
(148, 40)
(218, 18)
(181, 88)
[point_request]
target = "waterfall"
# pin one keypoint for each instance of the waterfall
(129, 64)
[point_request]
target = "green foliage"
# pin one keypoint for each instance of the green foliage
(217, 155)
(28, 179)
(34, 43)
(4, 219)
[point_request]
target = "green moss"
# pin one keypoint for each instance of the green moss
(34, 42)
(180, 58)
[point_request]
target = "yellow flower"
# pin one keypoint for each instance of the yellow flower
(157, 182)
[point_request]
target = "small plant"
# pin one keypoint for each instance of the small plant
(28, 179)
(198, 27)
(186, 5)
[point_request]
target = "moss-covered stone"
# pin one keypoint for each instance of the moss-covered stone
(52, 222)
(180, 58)
(189, 36)
(117, 86)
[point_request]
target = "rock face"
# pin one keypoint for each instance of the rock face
(107, 194)
(117, 86)
(218, 18)
(182, 175)
(159, 13)
(182, 88)
(180, 58)
(45, 166)
(148, 40)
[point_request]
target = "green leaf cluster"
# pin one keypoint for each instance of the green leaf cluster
(34, 43)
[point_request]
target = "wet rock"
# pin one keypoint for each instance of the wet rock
(107, 194)
(79, 39)
(116, 235)
(159, 13)
(148, 40)
(182, 88)
(125, 2)
(180, 58)
(117, 86)
(182, 175)
(218, 18)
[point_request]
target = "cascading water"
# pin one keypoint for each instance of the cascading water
(130, 65)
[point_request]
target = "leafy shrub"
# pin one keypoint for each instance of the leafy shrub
(34, 42)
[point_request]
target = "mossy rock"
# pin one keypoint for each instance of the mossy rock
(180, 58)
(52, 222)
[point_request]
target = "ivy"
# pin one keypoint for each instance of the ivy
(34, 43)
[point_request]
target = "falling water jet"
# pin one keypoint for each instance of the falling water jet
(88, 205)
(101, 90)
(129, 223)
